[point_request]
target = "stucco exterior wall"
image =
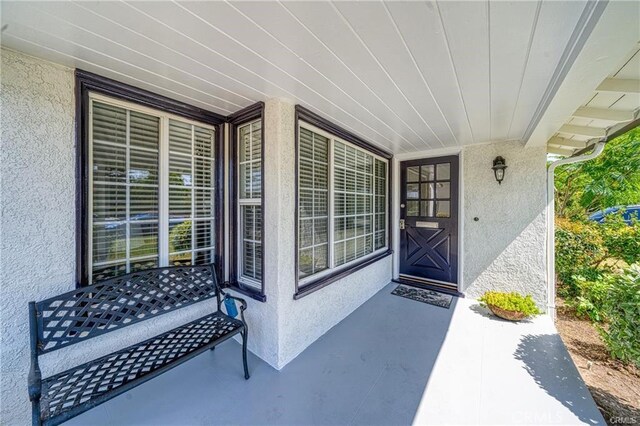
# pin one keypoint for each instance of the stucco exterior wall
(282, 327)
(37, 225)
(505, 249)
(38, 231)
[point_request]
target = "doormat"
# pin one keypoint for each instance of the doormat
(425, 296)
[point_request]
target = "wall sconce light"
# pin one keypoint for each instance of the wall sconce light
(498, 168)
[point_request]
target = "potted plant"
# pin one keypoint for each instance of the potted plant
(510, 306)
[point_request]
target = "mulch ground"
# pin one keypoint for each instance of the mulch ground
(614, 386)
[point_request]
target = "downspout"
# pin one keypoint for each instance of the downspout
(551, 250)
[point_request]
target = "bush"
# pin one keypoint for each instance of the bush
(591, 298)
(620, 240)
(579, 251)
(180, 237)
(513, 302)
(622, 308)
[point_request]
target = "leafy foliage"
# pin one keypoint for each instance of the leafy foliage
(579, 251)
(180, 237)
(609, 180)
(621, 241)
(513, 302)
(622, 309)
(591, 298)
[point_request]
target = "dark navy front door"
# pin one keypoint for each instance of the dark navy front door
(429, 221)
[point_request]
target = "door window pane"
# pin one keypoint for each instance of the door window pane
(427, 191)
(426, 208)
(443, 190)
(443, 208)
(412, 174)
(427, 173)
(413, 208)
(443, 171)
(413, 190)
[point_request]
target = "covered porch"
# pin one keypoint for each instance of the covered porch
(392, 361)
(308, 154)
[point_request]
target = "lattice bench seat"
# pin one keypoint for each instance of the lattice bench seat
(89, 311)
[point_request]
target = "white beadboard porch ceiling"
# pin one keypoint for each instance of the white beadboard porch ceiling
(407, 76)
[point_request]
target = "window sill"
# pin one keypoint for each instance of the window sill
(337, 275)
(247, 291)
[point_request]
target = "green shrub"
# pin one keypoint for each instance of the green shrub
(622, 308)
(592, 295)
(579, 251)
(513, 302)
(180, 237)
(620, 240)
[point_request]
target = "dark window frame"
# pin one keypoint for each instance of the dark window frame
(86, 82)
(244, 116)
(305, 115)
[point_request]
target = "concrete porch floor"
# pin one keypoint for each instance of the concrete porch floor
(393, 361)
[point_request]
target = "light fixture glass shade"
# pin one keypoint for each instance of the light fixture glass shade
(499, 165)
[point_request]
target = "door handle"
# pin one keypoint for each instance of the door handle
(401, 224)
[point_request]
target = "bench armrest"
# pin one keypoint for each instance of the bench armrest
(223, 294)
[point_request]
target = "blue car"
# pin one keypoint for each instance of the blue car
(630, 212)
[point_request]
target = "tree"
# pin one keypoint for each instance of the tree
(609, 180)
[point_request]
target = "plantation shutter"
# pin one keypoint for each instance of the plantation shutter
(313, 184)
(342, 202)
(250, 202)
(191, 194)
(131, 229)
(124, 175)
(353, 192)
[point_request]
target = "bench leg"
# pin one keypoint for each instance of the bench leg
(35, 413)
(244, 354)
(212, 348)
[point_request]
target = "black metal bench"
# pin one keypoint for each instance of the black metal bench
(110, 305)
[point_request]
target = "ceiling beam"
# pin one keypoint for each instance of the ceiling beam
(619, 86)
(592, 132)
(569, 143)
(559, 151)
(605, 114)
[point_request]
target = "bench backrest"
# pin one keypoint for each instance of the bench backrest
(115, 303)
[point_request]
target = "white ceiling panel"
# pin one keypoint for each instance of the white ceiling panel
(555, 25)
(408, 76)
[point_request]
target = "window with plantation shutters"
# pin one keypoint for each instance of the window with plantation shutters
(249, 155)
(313, 184)
(191, 191)
(342, 203)
(151, 189)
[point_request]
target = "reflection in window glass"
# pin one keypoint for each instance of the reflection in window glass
(443, 171)
(427, 173)
(443, 190)
(412, 174)
(413, 208)
(443, 209)
(413, 190)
